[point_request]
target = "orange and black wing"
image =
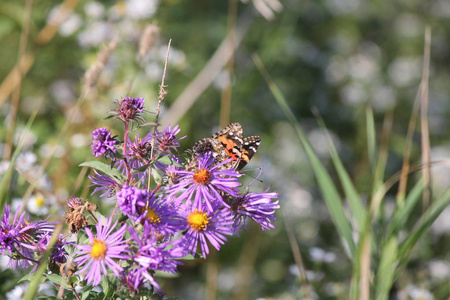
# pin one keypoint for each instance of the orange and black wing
(249, 148)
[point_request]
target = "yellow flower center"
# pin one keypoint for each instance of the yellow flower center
(152, 216)
(98, 249)
(198, 220)
(202, 176)
(40, 201)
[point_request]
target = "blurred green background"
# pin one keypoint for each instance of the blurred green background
(335, 56)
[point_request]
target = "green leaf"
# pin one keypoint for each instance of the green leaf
(105, 285)
(351, 193)
(168, 161)
(141, 169)
(88, 293)
(423, 224)
(6, 178)
(109, 285)
(156, 176)
(190, 257)
(371, 137)
(85, 294)
(385, 272)
(26, 278)
(401, 214)
(36, 280)
(104, 168)
(166, 274)
(58, 280)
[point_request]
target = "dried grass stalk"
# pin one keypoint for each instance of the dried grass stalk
(148, 39)
(93, 73)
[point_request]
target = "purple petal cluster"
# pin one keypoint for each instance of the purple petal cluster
(166, 140)
(151, 256)
(131, 199)
(130, 108)
(159, 217)
(103, 142)
(103, 250)
(20, 238)
(59, 254)
(104, 183)
(257, 206)
(206, 184)
(206, 226)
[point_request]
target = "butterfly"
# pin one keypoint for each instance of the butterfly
(229, 143)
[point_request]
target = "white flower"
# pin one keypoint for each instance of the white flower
(39, 204)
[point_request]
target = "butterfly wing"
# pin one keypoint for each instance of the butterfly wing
(249, 148)
(229, 143)
(231, 139)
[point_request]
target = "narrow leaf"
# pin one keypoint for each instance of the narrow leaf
(58, 280)
(371, 137)
(168, 161)
(401, 214)
(36, 280)
(104, 168)
(351, 193)
(424, 223)
(6, 178)
(385, 272)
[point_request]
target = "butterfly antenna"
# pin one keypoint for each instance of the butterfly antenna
(254, 179)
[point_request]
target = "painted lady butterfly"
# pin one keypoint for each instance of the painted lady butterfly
(229, 143)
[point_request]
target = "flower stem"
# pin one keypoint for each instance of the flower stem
(125, 142)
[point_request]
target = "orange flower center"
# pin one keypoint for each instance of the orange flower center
(202, 176)
(152, 216)
(198, 220)
(98, 249)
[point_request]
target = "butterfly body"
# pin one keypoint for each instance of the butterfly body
(229, 143)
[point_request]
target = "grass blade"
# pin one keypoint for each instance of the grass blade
(329, 190)
(423, 224)
(385, 272)
(402, 213)
(5, 179)
(351, 193)
(371, 137)
(37, 278)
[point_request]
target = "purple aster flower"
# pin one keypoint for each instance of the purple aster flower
(129, 109)
(19, 239)
(257, 206)
(138, 155)
(102, 250)
(104, 183)
(153, 256)
(59, 254)
(140, 149)
(206, 183)
(159, 217)
(132, 278)
(103, 142)
(131, 199)
(204, 225)
(167, 140)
